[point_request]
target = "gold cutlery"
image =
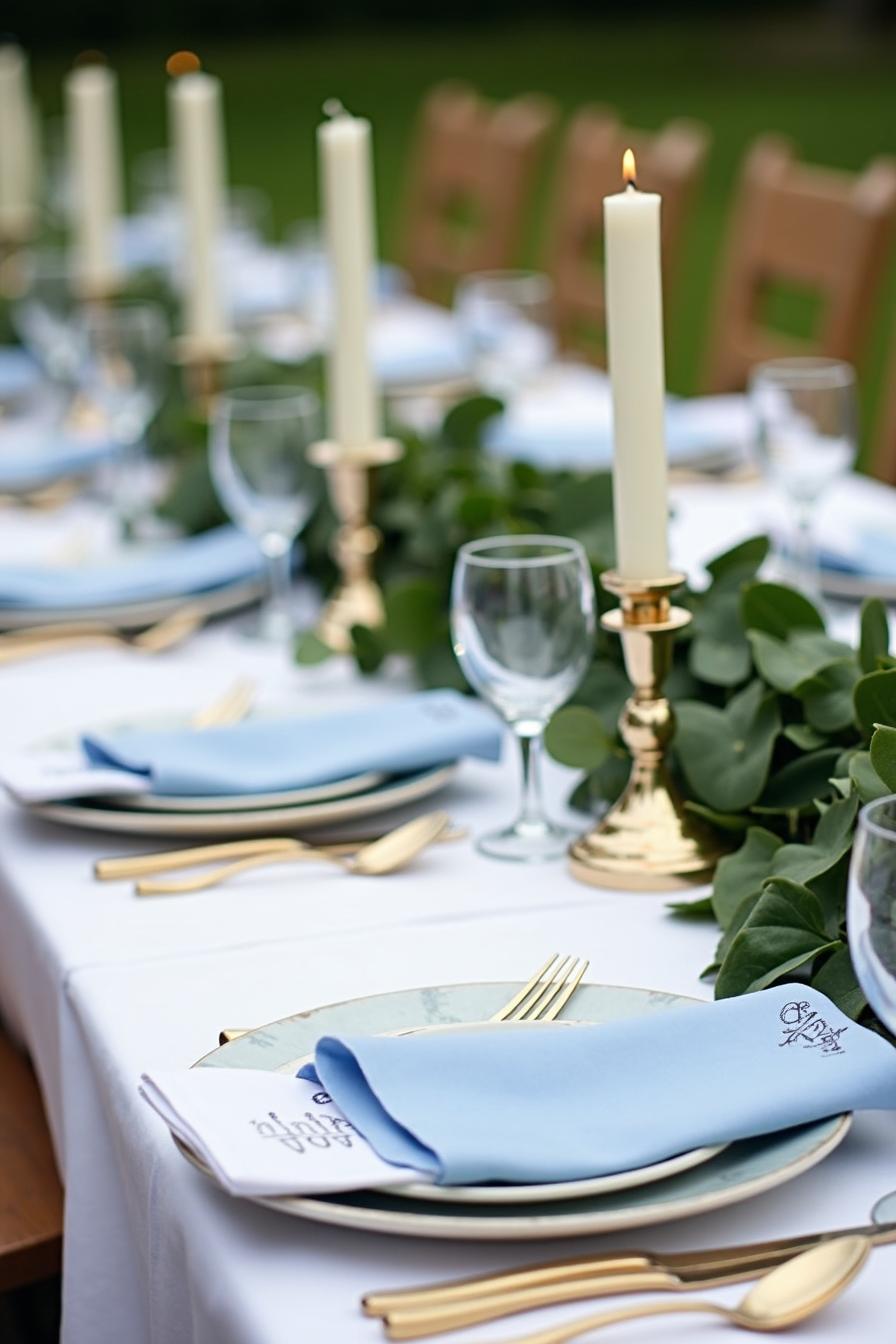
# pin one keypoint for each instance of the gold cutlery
(549, 990)
(231, 707)
(164, 634)
(788, 1294)
(391, 852)
(169, 860)
(412, 1313)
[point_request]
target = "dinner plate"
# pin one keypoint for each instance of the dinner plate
(134, 615)
(127, 820)
(856, 587)
(248, 802)
(533, 1193)
(741, 1170)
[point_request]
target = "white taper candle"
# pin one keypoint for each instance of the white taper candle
(91, 96)
(18, 171)
(634, 301)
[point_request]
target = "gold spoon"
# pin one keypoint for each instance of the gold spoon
(171, 630)
(786, 1295)
(390, 852)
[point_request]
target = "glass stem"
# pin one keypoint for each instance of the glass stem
(805, 550)
(531, 814)
(277, 619)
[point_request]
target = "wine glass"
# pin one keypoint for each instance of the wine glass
(46, 316)
(505, 322)
(522, 621)
(123, 377)
(806, 430)
(259, 441)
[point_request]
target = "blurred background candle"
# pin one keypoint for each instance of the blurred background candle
(635, 356)
(197, 130)
(95, 167)
(18, 175)
(345, 169)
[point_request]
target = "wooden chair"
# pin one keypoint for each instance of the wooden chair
(669, 161)
(818, 231)
(30, 1193)
(471, 181)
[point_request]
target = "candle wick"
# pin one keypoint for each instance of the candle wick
(632, 184)
(334, 107)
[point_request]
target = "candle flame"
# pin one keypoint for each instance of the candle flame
(628, 168)
(90, 57)
(182, 63)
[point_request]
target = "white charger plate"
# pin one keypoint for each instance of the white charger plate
(134, 615)
(741, 1170)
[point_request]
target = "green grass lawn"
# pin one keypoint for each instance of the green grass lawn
(835, 97)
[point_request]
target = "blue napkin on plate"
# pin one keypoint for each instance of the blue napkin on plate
(19, 372)
(182, 568)
(873, 557)
(410, 733)
(416, 342)
(547, 1103)
(35, 461)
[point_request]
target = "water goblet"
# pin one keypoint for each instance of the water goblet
(871, 906)
(806, 432)
(505, 321)
(258, 451)
(522, 620)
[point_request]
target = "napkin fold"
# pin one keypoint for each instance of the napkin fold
(179, 569)
(33, 456)
(871, 554)
(401, 735)
(538, 1103)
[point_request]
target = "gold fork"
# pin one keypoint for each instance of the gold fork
(546, 994)
(230, 707)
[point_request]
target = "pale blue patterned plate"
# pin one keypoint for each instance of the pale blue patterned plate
(739, 1171)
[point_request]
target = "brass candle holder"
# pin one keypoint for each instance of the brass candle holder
(357, 600)
(647, 841)
(202, 363)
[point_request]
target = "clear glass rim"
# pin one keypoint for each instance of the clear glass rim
(261, 403)
(566, 549)
(535, 285)
(867, 822)
(805, 371)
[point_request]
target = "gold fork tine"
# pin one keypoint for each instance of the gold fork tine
(566, 993)
(528, 1012)
(230, 707)
(504, 1013)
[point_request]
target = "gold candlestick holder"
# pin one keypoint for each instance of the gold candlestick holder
(357, 600)
(647, 841)
(202, 363)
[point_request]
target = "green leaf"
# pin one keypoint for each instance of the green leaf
(874, 643)
(883, 756)
(310, 649)
(743, 872)
(579, 501)
(828, 696)
(804, 736)
(725, 753)
(875, 700)
(606, 783)
(463, 425)
(832, 839)
(801, 779)
(719, 652)
(786, 664)
(605, 689)
(778, 611)
(837, 979)
(414, 616)
(369, 648)
(784, 930)
(735, 822)
(575, 736)
(865, 779)
(746, 557)
(699, 909)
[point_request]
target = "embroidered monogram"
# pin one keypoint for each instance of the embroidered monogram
(802, 1024)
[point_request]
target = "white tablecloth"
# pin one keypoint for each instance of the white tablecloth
(101, 985)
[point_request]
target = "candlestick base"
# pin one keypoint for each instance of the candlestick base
(647, 841)
(357, 599)
(203, 362)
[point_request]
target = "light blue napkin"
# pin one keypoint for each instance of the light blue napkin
(38, 460)
(410, 733)
(181, 568)
(555, 1103)
(874, 556)
(416, 342)
(587, 444)
(18, 372)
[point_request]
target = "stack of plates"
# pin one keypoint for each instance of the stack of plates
(690, 1183)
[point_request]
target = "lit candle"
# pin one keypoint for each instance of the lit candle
(95, 169)
(634, 302)
(344, 156)
(197, 129)
(18, 171)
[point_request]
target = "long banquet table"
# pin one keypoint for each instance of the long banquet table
(100, 986)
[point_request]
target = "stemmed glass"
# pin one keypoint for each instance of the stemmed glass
(806, 429)
(258, 451)
(505, 321)
(123, 376)
(46, 316)
(522, 620)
